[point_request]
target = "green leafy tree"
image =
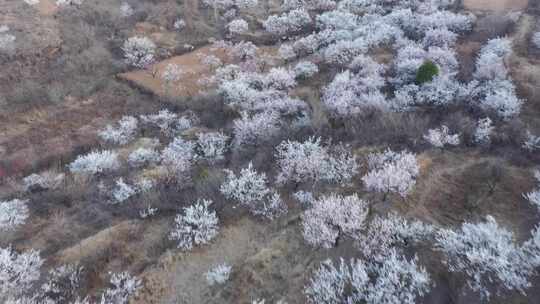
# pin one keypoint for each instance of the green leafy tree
(426, 72)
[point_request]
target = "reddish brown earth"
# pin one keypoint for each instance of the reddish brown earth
(188, 85)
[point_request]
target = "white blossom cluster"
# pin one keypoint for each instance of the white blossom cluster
(487, 254)
(211, 146)
(279, 79)
(148, 212)
(230, 14)
(531, 248)
(392, 172)
(484, 130)
(357, 90)
(123, 286)
(31, 2)
(143, 156)
(196, 226)
(536, 39)
(126, 10)
(333, 216)
(289, 22)
(7, 41)
(443, 90)
(245, 51)
(211, 61)
(145, 184)
(13, 213)
(18, 272)
(139, 52)
(312, 162)
(532, 142)
(122, 191)
(218, 274)
(172, 73)
(534, 196)
(391, 232)
(250, 189)
(227, 4)
(246, 4)
(95, 162)
(178, 158)
(384, 25)
(254, 92)
(316, 5)
(286, 52)
(238, 26)
(439, 37)
(170, 123)
(440, 137)
(43, 181)
(493, 86)
(418, 31)
(179, 24)
(123, 133)
(62, 284)
(69, 2)
(305, 69)
(304, 197)
(255, 129)
(392, 280)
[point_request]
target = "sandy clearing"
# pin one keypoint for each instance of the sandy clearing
(193, 72)
(188, 85)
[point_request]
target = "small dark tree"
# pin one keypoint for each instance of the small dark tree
(426, 72)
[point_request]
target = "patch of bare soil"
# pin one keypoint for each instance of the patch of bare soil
(467, 51)
(194, 72)
(457, 187)
(180, 276)
(188, 85)
(31, 138)
(267, 263)
(496, 5)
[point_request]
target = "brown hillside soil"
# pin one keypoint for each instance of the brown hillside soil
(188, 85)
(268, 262)
(193, 73)
(456, 187)
(34, 138)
